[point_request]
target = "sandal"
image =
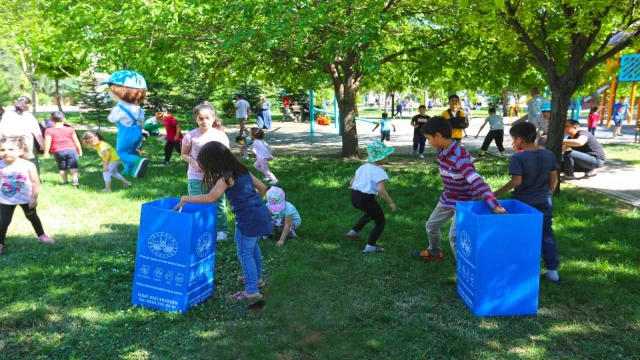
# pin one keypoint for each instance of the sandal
(261, 283)
(240, 296)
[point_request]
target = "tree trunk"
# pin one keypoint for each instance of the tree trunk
(393, 105)
(559, 107)
(505, 101)
(58, 100)
(346, 94)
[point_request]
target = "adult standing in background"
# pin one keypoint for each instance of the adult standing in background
(243, 110)
(263, 113)
(20, 122)
(534, 105)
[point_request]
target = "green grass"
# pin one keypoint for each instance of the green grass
(627, 153)
(325, 299)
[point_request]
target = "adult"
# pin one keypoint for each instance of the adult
(263, 113)
(542, 123)
(619, 113)
(19, 122)
(582, 152)
(534, 105)
(243, 110)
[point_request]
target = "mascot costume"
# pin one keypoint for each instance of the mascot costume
(128, 89)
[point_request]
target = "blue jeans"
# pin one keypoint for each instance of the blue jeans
(549, 246)
(250, 259)
(419, 140)
(128, 140)
(385, 135)
(580, 162)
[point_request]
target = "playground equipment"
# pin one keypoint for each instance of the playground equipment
(336, 116)
(628, 67)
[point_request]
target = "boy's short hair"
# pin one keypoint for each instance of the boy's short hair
(421, 107)
(257, 133)
(57, 116)
(454, 96)
(437, 124)
(492, 110)
(240, 140)
(525, 131)
(385, 115)
(574, 123)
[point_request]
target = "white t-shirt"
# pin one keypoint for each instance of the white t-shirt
(243, 106)
(261, 149)
(367, 178)
(25, 125)
(117, 115)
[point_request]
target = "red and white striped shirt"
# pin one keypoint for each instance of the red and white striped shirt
(460, 179)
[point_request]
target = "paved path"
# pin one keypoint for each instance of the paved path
(616, 179)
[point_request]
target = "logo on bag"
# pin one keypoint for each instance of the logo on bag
(203, 248)
(465, 243)
(163, 245)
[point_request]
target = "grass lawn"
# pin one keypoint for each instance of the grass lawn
(325, 299)
(628, 153)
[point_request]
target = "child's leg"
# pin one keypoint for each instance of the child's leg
(416, 142)
(6, 214)
(423, 142)
(63, 175)
(377, 214)
(32, 216)
(75, 175)
(500, 140)
(361, 201)
(439, 216)
(168, 149)
(72, 164)
(112, 172)
(62, 166)
(222, 225)
(487, 141)
(267, 172)
(453, 235)
(248, 252)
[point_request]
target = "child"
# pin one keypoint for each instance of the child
(174, 134)
(385, 129)
(283, 215)
(461, 183)
(370, 179)
(224, 174)
(296, 111)
(534, 177)
(209, 130)
(245, 142)
(110, 159)
(263, 155)
(457, 118)
(20, 186)
(496, 131)
(63, 142)
(594, 119)
(418, 139)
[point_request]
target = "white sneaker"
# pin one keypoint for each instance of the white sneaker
(221, 236)
(266, 179)
(274, 182)
(245, 157)
(421, 156)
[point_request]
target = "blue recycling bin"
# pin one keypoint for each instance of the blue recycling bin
(498, 258)
(176, 255)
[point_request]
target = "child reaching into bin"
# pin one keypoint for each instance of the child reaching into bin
(224, 174)
(263, 155)
(110, 159)
(370, 179)
(461, 183)
(534, 178)
(284, 215)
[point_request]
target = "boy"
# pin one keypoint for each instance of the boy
(620, 112)
(496, 131)
(456, 117)
(385, 127)
(245, 142)
(63, 142)
(461, 183)
(418, 139)
(534, 177)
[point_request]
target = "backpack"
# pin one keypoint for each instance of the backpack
(458, 122)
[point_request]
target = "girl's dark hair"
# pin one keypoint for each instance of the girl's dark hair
(57, 116)
(21, 104)
(257, 133)
(217, 162)
(18, 141)
(594, 109)
(90, 136)
(206, 106)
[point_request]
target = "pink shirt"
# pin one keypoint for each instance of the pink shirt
(15, 183)
(594, 119)
(197, 140)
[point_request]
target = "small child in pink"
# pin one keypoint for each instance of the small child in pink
(263, 155)
(594, 119)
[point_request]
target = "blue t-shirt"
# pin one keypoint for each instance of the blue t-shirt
(289, 209)
(252, 215)
(385, 124)
(535, 167)
(619, 111)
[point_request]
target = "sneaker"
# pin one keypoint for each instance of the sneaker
(424, 255)
(590, 174)
(166, 163)
(266, 179)
(221, 236)
(46, 239)
(105, 190)
(413, 153)
(619, 134)
(353, 235)
(568, 177)
(370, 248)
(273, 182)
(76, 184)
(292, 234)
(421, 156)
(140, 167)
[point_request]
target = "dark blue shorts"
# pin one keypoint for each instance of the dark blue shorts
(67, 159)
(617, 122)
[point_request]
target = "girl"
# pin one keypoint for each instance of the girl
(63, 142)
(110, 159)
(283, 214)
(594, 119)
(174, 134)
(20, 186)
(370, 180)
(224, 174)
(263, 113)
(263, 155)
(209, 129)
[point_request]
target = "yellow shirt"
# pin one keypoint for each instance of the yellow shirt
(455, 133)
(103, 149)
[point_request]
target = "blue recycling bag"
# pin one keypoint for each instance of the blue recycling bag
(498, 258)
(176, 255)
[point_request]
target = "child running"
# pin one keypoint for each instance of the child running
(20, 187)
(370, 179)
(593, 120)
(496, 131)
(284, 215)
(63, 142)
(263, 155)
(245, 142)
(385, 127)
(419, 141)
(109, 156)
(224, 174)
(461, 183)
(534, 177)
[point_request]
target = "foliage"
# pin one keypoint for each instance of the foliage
(9, 79)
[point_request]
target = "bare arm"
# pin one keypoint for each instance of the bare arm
(374, 129)
(515, 181)
(382, 191)
(105, 162)
(259, 185)
(581, 140)
(47, 145)
(482, 127)
(76, 142)
(209, 198)
(35, 186)
(178, 132)
(285, 232)
(553, 181)
(186, 156)
(352, 180)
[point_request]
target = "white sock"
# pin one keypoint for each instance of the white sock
(553, 275)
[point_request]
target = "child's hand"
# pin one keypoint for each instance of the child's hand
(393, 207)
(46, 155)
(105, 169)
(476, 136)
(180, 205)
(499, 210)
(280, 243)
(33, 202)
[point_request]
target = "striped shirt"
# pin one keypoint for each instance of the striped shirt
(460, 179)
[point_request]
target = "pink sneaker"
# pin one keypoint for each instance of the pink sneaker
(46, 239)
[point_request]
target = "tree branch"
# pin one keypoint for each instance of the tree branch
(540, 56)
